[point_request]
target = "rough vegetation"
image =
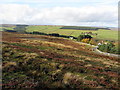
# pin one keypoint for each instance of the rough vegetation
(38, 61)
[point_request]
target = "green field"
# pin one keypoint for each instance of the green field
(102, 33)
(0, 28)
(8, 28)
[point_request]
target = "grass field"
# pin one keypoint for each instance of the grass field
(8, 28)
(0, 28)
(102, 34)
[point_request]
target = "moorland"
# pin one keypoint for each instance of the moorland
(45, 61)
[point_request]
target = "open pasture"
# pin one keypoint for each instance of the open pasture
(101, 33)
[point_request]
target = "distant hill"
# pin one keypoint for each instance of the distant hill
(82, 28)
(114, 28)
(7, 25)
(11, 25)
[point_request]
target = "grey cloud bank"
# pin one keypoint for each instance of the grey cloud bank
(92, 16)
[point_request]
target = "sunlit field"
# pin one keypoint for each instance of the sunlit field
(102, 34)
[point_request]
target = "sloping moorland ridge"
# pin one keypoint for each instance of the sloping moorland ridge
(38, 61)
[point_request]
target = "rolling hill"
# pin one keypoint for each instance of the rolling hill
(38, 61)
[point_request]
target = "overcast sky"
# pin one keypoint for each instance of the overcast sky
(60, 12)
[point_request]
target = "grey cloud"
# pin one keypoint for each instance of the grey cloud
(14, 13)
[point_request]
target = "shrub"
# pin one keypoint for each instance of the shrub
(109, 47)
(81, 37)
(93, 42)
(86, 40)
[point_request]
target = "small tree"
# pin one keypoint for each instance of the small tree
(80, 37)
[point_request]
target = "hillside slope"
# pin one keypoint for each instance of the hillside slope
(50, 62)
